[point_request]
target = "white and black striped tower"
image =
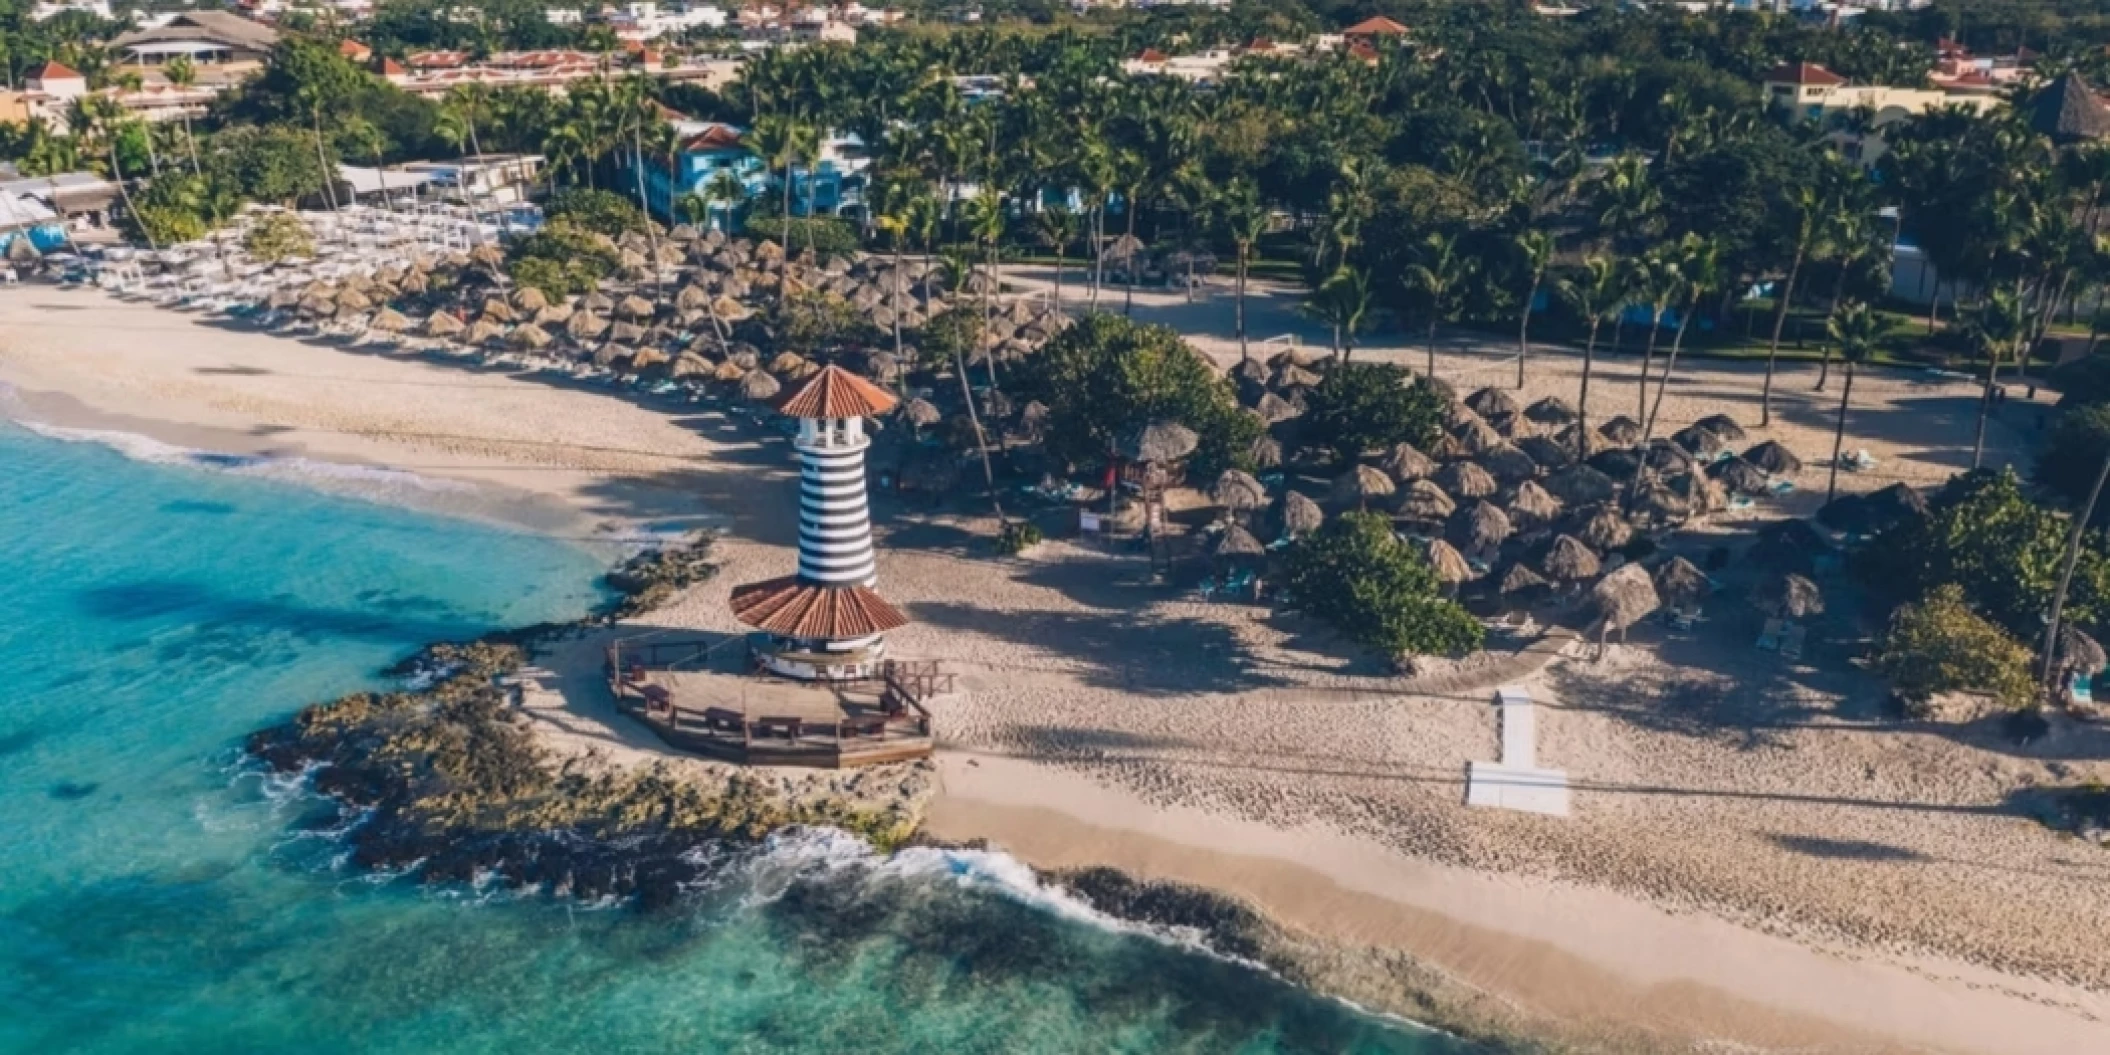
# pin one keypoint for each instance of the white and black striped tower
(827, 621)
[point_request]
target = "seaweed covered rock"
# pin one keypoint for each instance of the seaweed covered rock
(454, 786)
(651, 579)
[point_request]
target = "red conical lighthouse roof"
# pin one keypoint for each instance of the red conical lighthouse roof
(836, 393)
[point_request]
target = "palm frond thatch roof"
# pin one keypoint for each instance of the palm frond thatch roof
(1238, 542)
(1547, 452)
(1552, 410)
(389, 320)
(1682, 582)
(921, 412)
(1581, 485)
(1521, 578)
(1405, 463)
(1625, 597)
(441, 324)
(1509, 464)
(1423, 500)
(529, 336)
(1450, 566)
(1492, 403)
(1569, 560)
(1722, 425)
(530, 298)
(1362, 483)
(1605, 530)
(1299, 514)
(1622, 430)
(1158, 442)
(1238, 491)
(1787, 595)
(1533, 504)
(1484, 526)
(1739, 476)
(2079, 652)
(1266, 451)
(758, 385)
(1700, 442)
(1466, 480)
(1774, 458)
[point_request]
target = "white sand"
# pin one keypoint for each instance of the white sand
(1833, 881)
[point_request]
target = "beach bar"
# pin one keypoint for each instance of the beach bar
(813, 684)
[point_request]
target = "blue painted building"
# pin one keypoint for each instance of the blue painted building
(716, 155)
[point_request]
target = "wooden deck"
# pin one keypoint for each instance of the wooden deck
(702, 695)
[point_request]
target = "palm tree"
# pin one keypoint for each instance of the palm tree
(1056, 227)
(780, 141)
(896, 217)
(1699, 273)
(1996, 326)
(359, 130)
(1534, 250)
(1243, 216)
(182, 73)
(723, 188)
(1809, 207)
(1659, 285)
(1439, 272)
(1854, 329)
(104, 116)
(1342, 302)
(988, 228)
(1596, 292)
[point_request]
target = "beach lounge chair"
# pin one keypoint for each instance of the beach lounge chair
(1769, 638)
(1684, 618)
(1791, 642)
(2082, 689)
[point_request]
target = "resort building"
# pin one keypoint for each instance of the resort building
(1805, 91)
(43, 209)
(715, 164)
(207, 38)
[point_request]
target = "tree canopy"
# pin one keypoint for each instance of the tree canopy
(1357, 576)
(1107, 375)
(1361, 407)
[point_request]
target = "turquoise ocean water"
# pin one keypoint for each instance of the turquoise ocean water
(157, 895)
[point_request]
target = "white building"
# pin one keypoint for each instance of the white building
(53, 8)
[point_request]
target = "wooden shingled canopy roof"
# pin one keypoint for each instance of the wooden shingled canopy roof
(793, 607)
(834, 392)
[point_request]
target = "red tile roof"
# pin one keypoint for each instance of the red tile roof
(716, 137)
(836, 393)
(1362, 51)
(1375, 26)
(795, 608)
(352, 49)
(53, 71)
(391, 68)
(1804, 73)
(1152, 55)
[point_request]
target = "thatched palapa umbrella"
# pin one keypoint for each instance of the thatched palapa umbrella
(1407, 464)
(389, 320)
(1547, 452)
(1622, 430)
(2078, 653)
(1158, 443)
(1478, 437)
(1701, 443)
(1492, 403)
(1533, 505)
(529, 336)
(1606, 530)
(1774, 458)
(1521, 580)
(1361, 484)
(1581, 485)
(1466, 480)
(1266, 451)
(1787, 595)
(529, 298)
(1236, 543)
(483, 331)
(759, 386)
(1483, 527)
(1509, 464)
(728, 372)
(1274, 409)
(1238, 491)
(1423, 500)
(1739, 476)
(1681, 582)
(1450, 566)
(1299, 514)
(586, 325)
(1552, 410)
(634, 307)
(498, 310)
(920, 413)
(1722, 425)
(1623, 598)
(441, 324)
(1569, 560)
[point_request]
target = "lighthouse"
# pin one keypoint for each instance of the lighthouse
(826, 622)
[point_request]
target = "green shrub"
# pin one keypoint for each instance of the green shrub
(1017, 537)
(1940, 645)
(825, 234)
(605, 212)
(1357, 576)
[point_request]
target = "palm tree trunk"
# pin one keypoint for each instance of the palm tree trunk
(1098, 226)
(190, 143)
(2073, 556)
(989, 307)
(1058, 278)
(117, 170)
(1985, 406)
(1128, 288)
(1648, 424)
(1648, 360)
(1432, 345)
(1780, 319)
(1846, 395)
(381, 172)
(981, 439)
(1524, 326)
(329, 178)
(900, 367)
(1824, 368)
(1582, 398)
(637, 165)
(1243, 354)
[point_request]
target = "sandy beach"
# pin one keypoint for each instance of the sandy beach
(1757, 855)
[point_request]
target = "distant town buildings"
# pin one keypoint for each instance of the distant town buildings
(1809, 92)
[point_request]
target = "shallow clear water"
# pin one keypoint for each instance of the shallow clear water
(156, 895)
